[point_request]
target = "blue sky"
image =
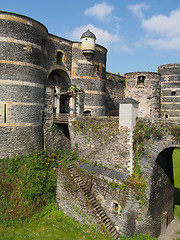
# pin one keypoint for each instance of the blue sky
(139, 35)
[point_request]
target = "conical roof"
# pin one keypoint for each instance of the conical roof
(88, 34)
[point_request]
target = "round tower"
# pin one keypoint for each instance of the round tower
(22, 77)
(144, 87)
(89, 73)
(170, 90)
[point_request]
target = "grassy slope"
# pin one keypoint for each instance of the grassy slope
(176, 165)
(55, 225)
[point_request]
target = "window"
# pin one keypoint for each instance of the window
(59, 57)
(173, 93)
(87, 113)
(5, 113)
(166, 116)
(115, 207)
(140, 80)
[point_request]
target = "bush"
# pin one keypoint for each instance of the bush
(28, 184)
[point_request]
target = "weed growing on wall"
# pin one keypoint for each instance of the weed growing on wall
(134, 184)
(102, 131)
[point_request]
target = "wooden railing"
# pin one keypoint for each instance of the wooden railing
(60, 117)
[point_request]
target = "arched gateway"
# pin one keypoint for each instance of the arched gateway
(157, 164)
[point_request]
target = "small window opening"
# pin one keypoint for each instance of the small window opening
(98, 69)
(115, 207)
(59, 57)
(5, 113)
(87, 113)
(173, 93)
(166, 116)
(141, 80)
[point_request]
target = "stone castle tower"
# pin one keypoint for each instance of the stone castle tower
(45, 78)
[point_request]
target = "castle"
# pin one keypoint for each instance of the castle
(45, 78)
(46, 81)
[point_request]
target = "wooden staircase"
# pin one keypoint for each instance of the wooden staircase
(93, 202)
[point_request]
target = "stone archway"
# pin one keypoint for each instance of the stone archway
(56, 133)
(157, 161)
(59, 82)
(161, 200)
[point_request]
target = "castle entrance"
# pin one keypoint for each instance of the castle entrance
(164, 188)
(60, 82)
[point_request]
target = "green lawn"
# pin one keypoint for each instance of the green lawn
(55, 226)
(176, 166)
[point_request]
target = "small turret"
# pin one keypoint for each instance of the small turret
(88, 44)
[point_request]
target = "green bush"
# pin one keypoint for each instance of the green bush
(27, 185)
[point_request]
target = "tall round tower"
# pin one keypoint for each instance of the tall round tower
(22, 77)
(89, 73)
(170, 90)
(144, 87)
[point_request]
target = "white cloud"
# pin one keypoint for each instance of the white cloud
(163, 44)
(122, 48)
(104, 37)
(163, 32)
(100, 11)
(164, 25)
(137, 9)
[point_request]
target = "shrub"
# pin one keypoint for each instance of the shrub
(28, 184)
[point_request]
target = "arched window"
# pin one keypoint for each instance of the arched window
(140, 80)
(87, 113)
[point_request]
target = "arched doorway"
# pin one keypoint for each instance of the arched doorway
(162, 201)
(56, 131)
(59, 82)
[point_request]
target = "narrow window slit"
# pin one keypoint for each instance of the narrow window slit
(5, 113)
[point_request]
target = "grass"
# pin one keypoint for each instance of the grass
(176, 166)
(54, 225)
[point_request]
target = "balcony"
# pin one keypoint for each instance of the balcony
(60, 118)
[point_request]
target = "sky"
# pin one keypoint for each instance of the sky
(139, 35)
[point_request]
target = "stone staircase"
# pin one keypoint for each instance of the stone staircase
(93, 202)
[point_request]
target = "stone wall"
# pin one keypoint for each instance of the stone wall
(155, 162)
(100, 141)
(115, 87)
(133, 214)
(70, 199)
(170, 90)
(23, 74)
(144, 87)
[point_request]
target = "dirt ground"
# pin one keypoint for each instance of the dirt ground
(171, 232)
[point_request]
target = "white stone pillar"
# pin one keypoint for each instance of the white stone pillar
(128, 113)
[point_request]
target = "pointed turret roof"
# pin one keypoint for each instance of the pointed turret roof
(89, 34)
